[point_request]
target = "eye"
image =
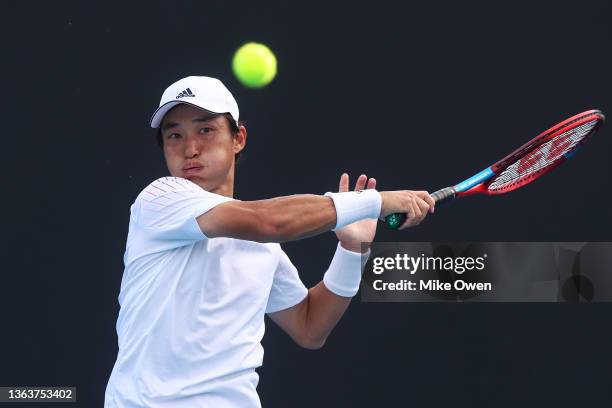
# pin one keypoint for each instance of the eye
(173, 136)
(205, 130)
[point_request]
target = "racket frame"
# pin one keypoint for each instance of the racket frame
(479, 182)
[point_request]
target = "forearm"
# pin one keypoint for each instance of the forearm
(300, 216)
(297, 216)
(287, 218)
(324, 310)
(273, 220)
(328, 300)
(312, 320)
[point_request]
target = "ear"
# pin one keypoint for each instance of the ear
(240, 139)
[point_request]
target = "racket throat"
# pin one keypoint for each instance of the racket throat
(478, 189)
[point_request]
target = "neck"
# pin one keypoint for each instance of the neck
(225, 187)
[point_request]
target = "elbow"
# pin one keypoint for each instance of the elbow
(312, 343)
(314, 346)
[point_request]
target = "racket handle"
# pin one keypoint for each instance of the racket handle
(443, 195)
(394, 221)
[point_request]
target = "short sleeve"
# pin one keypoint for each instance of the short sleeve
(167, 209)
(287, 288)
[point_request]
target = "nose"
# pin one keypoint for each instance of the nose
(192, 148)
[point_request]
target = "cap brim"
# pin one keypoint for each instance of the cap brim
(159, 114)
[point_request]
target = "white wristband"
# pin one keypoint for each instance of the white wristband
(354, 206)
(344, 273)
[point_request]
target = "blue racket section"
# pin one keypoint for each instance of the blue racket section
(474, 180)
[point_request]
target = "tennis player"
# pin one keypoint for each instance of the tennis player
(202, 268)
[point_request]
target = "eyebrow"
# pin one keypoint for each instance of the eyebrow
(205, 118)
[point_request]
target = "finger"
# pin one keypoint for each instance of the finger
(361, 181)
(410, 223)
(423, 205)
(418, 211)
(421, 194)
(372, 183)
(409, 218)
(344, 183)
(430, 200)
(413, 214)
(421, 218)
(420, 208)
(424, 195)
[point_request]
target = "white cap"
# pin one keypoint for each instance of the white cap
(203, 92)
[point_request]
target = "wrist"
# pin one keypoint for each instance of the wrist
(383, 197)
(355, 206)
(344, 273)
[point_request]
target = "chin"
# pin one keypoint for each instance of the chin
(200, 181)
(192, 176)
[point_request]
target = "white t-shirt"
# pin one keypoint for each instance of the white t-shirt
(192, 308)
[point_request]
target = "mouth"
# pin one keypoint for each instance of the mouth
(192, 169)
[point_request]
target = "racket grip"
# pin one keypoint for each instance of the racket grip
(444, 194)
(394, 221)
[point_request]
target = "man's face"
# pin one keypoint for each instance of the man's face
(199, 146)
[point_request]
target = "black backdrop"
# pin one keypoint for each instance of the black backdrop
(418, 95)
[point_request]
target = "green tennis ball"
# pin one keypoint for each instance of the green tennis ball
(254, 65)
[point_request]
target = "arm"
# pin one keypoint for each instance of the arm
(310, 322)
(275, 220)
(295, 217)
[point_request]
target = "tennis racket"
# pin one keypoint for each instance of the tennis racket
(526, 164)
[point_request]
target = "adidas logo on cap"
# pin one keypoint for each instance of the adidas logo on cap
(186, 93)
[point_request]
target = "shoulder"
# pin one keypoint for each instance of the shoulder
(168, 185)
(166, 190)
(172, 196)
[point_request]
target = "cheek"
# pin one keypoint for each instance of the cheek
(222, 150)
(220, 156)
(173, 159)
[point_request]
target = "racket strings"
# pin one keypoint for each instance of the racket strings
(543, 156)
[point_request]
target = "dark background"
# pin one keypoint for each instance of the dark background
(419, 95)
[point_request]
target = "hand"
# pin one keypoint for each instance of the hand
(351, 236)
(415, 204)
